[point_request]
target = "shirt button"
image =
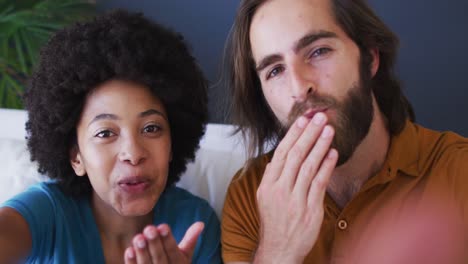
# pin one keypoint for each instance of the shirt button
(342, 224)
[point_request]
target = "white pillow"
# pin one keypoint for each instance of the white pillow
(17, 170)
(210, 175)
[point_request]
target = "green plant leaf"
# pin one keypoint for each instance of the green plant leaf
(25, 25)
(20, 53)
(31, 49)
(11, 92)
(2, 92)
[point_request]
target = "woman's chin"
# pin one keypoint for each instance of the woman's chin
(135, 209)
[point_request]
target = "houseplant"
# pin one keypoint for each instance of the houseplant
(24, 27)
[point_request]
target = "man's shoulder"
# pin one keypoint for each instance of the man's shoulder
(442, 153)
(252, 172)
(439, 144)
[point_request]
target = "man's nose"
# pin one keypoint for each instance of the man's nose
(301, 83)
(132, 151)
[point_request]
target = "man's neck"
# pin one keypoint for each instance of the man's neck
(366, 161)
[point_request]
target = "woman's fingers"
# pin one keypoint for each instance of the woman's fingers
(188, 243)
(130, 256)
(155, 245)
(141, 248)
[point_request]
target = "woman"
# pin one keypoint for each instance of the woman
(116, 108)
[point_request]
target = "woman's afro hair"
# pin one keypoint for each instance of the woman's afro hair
(117, 45)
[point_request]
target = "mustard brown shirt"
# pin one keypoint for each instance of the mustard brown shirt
(421, 166)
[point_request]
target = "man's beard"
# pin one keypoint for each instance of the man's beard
(353, 118)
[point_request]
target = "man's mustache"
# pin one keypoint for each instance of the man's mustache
(312, 102)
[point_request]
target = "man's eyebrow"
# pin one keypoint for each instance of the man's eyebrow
(268, 60)
(312, 37)
(303, 42)
(152, 112)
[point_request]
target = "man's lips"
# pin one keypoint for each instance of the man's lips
(311, 112)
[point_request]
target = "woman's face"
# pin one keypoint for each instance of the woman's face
(124, 146)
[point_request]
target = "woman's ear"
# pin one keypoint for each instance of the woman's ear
(375, 61)
(77, 162)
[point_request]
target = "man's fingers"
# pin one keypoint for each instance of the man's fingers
(281, 152)
(312, 163)
(129, 256)
(319, 184)
(155, 245)
(301, 149)
(290, 139)
(188, 243)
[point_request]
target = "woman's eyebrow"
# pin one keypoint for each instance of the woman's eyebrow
(104, 116)
(152, 112)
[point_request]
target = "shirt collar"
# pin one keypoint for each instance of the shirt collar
(403, 154)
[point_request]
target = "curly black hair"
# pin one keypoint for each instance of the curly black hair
(116, 45)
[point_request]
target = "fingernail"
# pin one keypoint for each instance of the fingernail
(332, 154)
(302, 122)
(141, 243)
(130, 254)
(150, 233)
(164, 232)
(319, 118)
(327, 132)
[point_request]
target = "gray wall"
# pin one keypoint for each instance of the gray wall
(433, 62)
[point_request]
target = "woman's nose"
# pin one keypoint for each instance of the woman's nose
(132, 151)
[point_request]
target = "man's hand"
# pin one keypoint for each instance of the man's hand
(157, 245)
(290, 196)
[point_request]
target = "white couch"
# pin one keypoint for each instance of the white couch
(219, 157)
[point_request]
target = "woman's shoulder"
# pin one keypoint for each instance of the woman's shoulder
(41, 192)
(43, 201)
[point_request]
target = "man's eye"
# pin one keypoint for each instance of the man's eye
(275, 71)
(320, 52)
(151, 129)
(104, 134)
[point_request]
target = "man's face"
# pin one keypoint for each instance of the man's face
(307, 64)
(352, 119)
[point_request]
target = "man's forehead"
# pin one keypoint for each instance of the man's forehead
(278, 25)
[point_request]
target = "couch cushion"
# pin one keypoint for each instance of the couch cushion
(17, 171)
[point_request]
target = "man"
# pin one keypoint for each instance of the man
(351, 178)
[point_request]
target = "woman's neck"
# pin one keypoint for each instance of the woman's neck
(115, 228)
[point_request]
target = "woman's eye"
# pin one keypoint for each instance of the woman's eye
(275, 71)
(151, 129)
(104, 134)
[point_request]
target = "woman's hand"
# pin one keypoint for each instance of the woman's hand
(156, 244)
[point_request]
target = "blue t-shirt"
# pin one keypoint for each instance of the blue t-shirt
(63, 228)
